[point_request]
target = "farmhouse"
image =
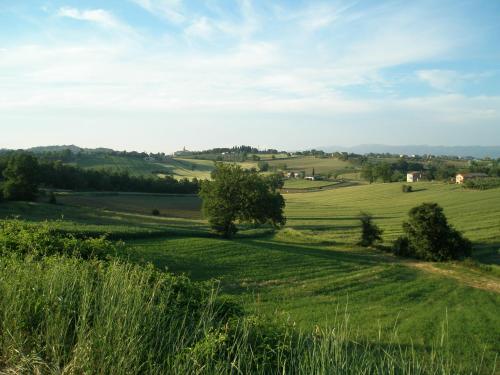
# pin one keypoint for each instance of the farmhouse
(462, 177)
(413, 176)
(310, 178)
(292, 175)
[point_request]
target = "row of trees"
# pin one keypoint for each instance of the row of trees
(24, 173)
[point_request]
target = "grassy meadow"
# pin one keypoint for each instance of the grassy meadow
(312, 271)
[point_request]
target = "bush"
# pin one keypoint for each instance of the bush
(370, 233)
(155, 212)
(21, 177)
(482, 183)
(52, 198)
(21, 239)
(407, 188)
(428, 236)
(263, 166)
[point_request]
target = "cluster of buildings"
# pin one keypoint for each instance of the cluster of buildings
(460, 178)
(302, 175)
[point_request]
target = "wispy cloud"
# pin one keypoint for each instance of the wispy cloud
(200, 28)
(337, 59)
(99, 16)
(168, 9)
(439, 79)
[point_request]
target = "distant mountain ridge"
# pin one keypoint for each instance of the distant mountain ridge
(462, 151)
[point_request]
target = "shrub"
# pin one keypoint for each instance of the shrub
(370, 233)
(407, 188)
(155, 212)
(428, 236)
(52, 198)
(482, 183)
(21, 239)
(21, 177)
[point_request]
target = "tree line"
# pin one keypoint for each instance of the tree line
(385, 171)
(23, 174)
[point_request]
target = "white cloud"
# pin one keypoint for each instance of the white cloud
(98, 16)
(442, 80)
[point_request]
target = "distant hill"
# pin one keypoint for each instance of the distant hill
(463, 151)
(74, 149)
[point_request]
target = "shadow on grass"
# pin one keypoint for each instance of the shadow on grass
(487, 253)
(358, 257)
(337, 218)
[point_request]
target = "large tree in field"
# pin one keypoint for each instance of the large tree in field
(237, 195)
(21, 177)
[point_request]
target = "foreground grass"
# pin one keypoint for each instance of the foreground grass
(69, 316)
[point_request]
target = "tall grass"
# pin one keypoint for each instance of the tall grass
(62, 315)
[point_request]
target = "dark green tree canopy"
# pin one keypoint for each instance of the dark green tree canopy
(238, 195)
(428, 236)
(21, 177)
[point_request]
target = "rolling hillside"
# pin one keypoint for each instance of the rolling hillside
(312, 271)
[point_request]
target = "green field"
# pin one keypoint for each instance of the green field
(313, 270)
(320, 165)
(178, 206)
(176, 167)
(295, 183)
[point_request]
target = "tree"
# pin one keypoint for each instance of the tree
(237, 195)
(263, 166)
(21, 177)
(367, 173)
(52, 198)
(370, 233)
(428, 236)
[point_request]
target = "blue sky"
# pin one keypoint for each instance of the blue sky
(158, 75)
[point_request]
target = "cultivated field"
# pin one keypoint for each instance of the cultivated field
(169, 205)
(312, 272)
(295, 183)
(320, 165)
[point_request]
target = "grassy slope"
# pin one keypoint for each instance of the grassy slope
(304, 184)
(320, 165)
(313, 267)
(177, 167)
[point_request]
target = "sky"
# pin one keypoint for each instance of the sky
(160, 75)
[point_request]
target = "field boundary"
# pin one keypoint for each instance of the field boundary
(319, 188)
